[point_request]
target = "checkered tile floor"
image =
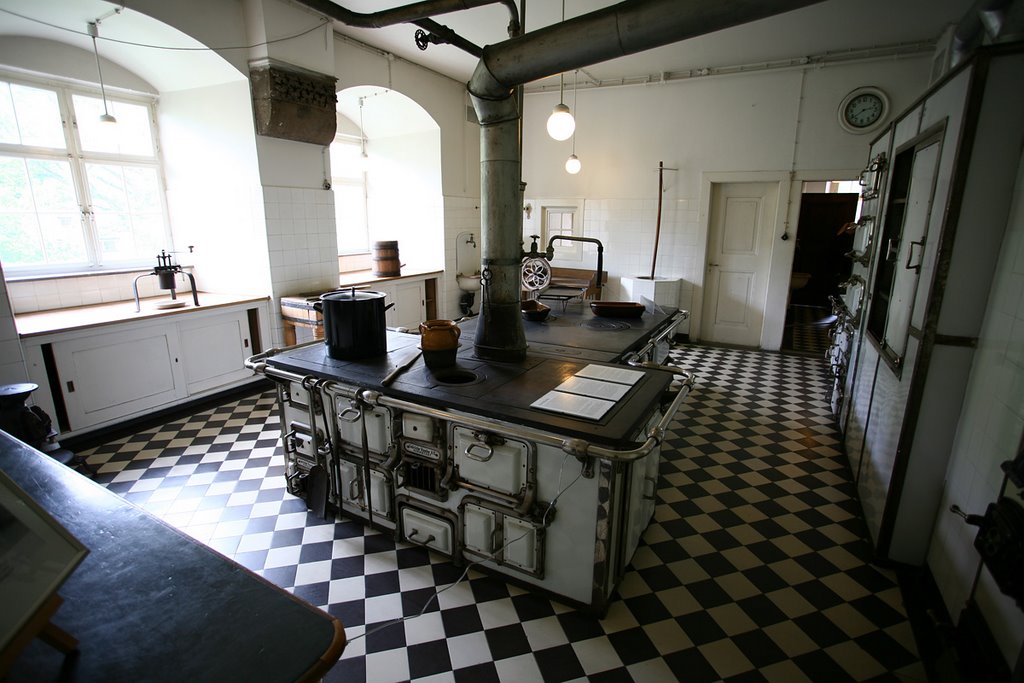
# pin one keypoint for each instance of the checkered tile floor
(806, 330)
(754, 568)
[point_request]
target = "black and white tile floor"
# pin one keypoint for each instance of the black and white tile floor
(806, 330)
(754, 569)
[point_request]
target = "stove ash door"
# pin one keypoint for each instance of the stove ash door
(491, 462)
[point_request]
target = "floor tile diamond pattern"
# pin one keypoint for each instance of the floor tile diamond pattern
(755, 567)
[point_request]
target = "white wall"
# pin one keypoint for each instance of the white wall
(12, 361)
(214, 193)
(772, 121)
(50, 57)
(990, 429)
(445, 100)
(404, 197)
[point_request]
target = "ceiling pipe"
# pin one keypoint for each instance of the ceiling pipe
(408, 14)
(619, 30)
(984, 17)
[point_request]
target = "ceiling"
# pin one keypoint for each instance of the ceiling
(833, 26)
(829, 27)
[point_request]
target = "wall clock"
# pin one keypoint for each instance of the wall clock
(863, 110)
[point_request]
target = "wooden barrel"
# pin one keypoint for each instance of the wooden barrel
(385, 259)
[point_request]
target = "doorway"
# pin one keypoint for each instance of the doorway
(820, 263)
(741, 226)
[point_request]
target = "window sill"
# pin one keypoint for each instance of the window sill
(84, 273)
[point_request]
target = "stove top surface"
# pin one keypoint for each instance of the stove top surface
(577, 333)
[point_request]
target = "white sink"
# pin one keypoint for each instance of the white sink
(468, 283)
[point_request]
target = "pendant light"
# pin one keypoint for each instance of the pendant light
(561, 124)
(572, 164)
(106, 116)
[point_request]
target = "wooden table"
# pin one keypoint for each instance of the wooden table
(151, 604)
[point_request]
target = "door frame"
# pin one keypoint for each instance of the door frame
(787, 211)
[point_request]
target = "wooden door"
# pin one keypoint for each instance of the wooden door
(742, 223)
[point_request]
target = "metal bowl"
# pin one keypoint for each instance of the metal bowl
(617, 309)
(534, 310)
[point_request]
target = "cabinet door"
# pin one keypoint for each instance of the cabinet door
(107, 376)
(214, 349)
(408, 310)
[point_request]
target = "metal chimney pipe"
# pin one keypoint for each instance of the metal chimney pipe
(618, 30)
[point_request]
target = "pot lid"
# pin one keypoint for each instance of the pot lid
(352, 295)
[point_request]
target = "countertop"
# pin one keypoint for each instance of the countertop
(82, 317)
(366, 277)
(149, 603)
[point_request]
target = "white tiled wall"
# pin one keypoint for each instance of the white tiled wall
(12, 363)
(989, 432)
(627, 229)
(303, 243)
(461, 214)
(28, 296)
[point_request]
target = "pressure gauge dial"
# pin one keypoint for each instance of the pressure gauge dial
(863, 110)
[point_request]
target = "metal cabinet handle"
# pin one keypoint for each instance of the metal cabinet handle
(480, 452)
(910, 255)
(712, 265)
(429, 539)
(349, 415)
(654, 486)
(353, 490)
(892, 250)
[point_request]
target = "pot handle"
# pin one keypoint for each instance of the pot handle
(318, 306)
(390, 305)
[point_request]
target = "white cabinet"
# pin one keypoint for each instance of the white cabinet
(409, 300)
(103, 374)
(215, 349)
(115, 374)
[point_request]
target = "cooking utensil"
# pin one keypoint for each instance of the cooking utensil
(402, 367)
(354, 323)
(617, 309)
(534, 310)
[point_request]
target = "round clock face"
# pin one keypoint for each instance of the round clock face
(862, 109)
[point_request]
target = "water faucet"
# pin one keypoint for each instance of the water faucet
(549, 254)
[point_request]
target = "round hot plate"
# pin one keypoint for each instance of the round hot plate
(602, 324)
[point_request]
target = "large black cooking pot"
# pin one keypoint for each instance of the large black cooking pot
(354, 325)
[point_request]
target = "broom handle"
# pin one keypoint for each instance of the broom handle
(657, 225)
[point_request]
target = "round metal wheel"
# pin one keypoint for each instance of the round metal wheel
(536, 273)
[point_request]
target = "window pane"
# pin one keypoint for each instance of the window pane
(350, 214)
(62, 238)
(346, 160)
(40, 223)
(30, 116)
(15, 193)
(21, 243)
(130, 135)
(127, 211)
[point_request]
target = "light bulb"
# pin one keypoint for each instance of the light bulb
(573, 165)
(561, 124)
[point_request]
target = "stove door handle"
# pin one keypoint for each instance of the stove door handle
(480, 452)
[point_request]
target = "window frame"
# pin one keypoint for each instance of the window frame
(360, 182)
(77, 158)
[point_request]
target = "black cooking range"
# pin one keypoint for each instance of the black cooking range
(577, 332)
(558, 347)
